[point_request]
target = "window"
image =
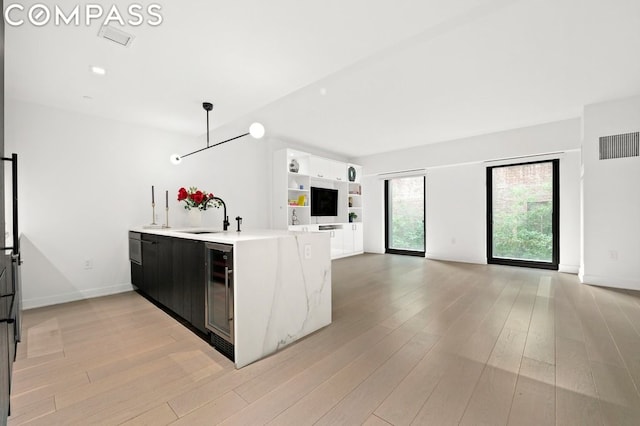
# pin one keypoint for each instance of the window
(522, 214)
(404, 206)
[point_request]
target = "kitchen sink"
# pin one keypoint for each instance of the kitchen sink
(200, 232)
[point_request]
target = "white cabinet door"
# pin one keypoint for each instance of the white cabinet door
(353, 238)
(319, 167)
(358, 237)
(337, 171)
(337, 242)
(327, 169)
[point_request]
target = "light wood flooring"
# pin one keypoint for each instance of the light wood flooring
(413, 341)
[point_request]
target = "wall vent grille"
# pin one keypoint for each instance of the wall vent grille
(620, 146)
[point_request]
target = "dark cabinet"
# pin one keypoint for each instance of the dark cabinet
(137, 276)
(7, 335)
(172, 274)
(150, 266)
(5, 370)
(194, 282)
(175, 283)
(166, 280)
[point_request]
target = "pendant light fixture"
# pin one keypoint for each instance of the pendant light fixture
(256, 130)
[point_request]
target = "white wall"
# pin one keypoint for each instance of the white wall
(85, 180)
(455, 213)
(456, 196)
(611, 204)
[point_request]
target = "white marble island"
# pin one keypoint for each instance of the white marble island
(282, 286)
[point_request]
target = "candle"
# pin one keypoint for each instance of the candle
(167, 198)
(152, 195)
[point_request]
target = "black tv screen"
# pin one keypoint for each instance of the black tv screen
(324, 202)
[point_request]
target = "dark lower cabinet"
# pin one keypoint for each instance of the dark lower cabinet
(7, 337)
(150, 266)
(172, 274)
(194, 283)
(166, 281)
(137, 276)
(5, 371)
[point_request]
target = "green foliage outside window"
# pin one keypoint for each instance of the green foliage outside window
(407, 225)
(523, 228)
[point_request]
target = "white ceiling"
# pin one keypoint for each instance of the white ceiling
(355, 77)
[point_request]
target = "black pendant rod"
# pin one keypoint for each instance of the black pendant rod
(208, 106)
(219, 143)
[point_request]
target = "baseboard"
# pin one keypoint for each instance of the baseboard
(74, 296)
(457, 259)
(340, 256)
(568, 269)
(610, 282)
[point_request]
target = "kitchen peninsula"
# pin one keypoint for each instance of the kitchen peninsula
(252, 292)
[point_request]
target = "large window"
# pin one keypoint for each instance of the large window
(404, 203)
(522, 214)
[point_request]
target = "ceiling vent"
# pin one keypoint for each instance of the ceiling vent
(116, 35)
(620, 146)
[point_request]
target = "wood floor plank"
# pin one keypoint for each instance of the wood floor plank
(28, 413)
(215, 411)
(368, 392)
(576, 395)
(491, 399)
(404, 402)
(447, 402)
(158, 416)
(374, 420)
(598, 341)
(623, 333)
(375, 349)
(541, 334)
(573, 408)
(534, 399)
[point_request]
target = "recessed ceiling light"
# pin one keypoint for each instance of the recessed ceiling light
(98, 70)
(323, 91)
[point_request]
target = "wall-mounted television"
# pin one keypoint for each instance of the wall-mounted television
(324, 202)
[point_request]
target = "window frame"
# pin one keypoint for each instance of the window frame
(387, 249)
(555, 220)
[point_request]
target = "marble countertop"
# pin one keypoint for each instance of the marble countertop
(216, 235)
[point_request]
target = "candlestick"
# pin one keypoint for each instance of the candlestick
(167, 198)
(153, 213)
(166, 218)
(153, 200)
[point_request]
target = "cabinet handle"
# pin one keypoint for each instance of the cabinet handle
(339, 178)
(319, 175)
(148, 242)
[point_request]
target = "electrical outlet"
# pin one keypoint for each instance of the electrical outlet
(88, 264)
(613, 254)
(307, 251)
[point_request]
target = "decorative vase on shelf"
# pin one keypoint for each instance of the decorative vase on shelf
(194, 217)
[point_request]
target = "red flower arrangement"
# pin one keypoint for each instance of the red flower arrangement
(195, 198)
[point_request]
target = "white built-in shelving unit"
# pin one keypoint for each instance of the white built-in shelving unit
(294, 173)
